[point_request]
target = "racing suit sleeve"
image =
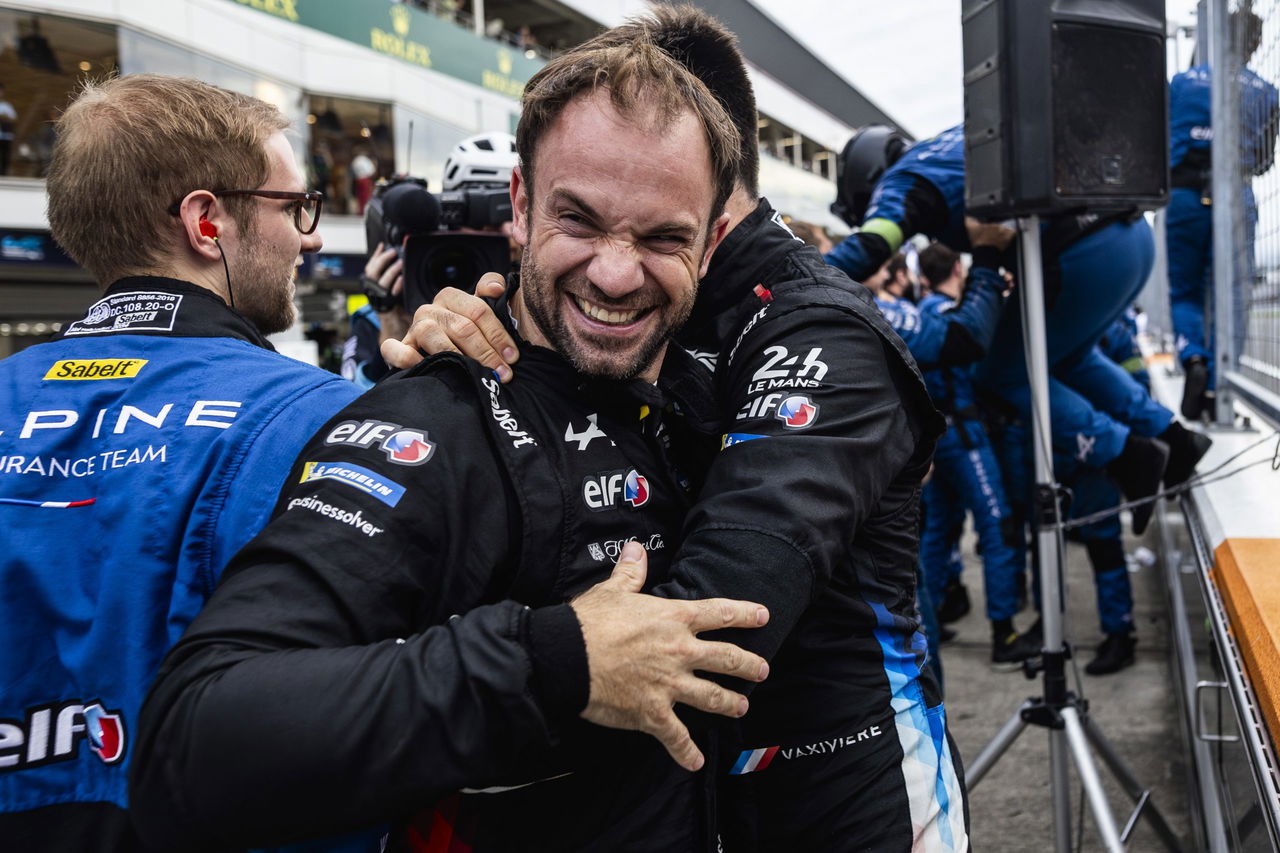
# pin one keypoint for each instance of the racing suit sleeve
(819, 431)
(902, 206)
(962, 334)
(329, 685)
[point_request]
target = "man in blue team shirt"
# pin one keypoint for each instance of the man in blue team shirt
(1190, 222)
(1094, 267)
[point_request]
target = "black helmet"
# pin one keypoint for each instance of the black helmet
(865, 157)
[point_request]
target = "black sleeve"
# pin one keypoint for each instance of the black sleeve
(330, 683)
(818, 431)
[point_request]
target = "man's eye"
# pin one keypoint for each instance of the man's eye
(667, 242)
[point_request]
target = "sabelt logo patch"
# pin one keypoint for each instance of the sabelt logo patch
(96, 368)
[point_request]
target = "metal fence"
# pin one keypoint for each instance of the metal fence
(1242, 316)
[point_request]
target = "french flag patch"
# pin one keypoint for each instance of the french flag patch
(753, 760)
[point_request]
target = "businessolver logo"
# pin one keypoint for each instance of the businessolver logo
(52, 733)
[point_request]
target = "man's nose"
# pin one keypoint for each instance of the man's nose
(312, 242)
(616, 269)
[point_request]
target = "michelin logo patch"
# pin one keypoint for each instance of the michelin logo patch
(143, 311)
(729, 439)
(402, 446)
(369, 482)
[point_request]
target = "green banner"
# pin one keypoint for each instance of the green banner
(413, 36)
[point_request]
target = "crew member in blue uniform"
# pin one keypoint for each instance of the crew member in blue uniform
(1094, 268)
(1190, 213)
(1120, 344)
(966, 474)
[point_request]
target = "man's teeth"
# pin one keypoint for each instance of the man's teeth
(614, 318)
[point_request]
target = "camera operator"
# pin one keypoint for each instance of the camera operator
(482, 162)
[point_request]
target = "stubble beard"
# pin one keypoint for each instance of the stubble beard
(259, 292)
(541, 298)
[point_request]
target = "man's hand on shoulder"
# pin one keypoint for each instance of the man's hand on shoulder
(642, 652)
(458, 322)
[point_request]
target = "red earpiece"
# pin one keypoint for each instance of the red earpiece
(208, 229)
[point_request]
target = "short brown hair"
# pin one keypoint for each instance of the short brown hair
(710, 51)
(937, 263)
(639, 77)
(129, 147)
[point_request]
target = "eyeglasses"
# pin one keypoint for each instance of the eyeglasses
(306, 212)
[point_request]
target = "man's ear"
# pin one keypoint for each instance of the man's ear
(203, 222)
(718, 231)
(519, 207)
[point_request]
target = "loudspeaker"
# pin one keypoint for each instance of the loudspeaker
(1066, 106)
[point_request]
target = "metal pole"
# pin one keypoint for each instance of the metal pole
(1225, 118)
(1046, 510)
(976, 769)
(477, 16)
(1092, 783)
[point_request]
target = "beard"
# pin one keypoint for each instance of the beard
(261, 291)
(598, 356)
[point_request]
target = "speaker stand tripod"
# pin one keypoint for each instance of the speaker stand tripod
(1071, 730)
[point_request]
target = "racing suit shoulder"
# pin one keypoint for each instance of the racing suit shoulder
(816, 390)
(387, 524)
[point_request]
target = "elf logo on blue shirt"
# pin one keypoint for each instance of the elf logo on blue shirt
(636, 489)
(797, 412)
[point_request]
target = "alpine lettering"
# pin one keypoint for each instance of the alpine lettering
(53, 732)
(216, 414)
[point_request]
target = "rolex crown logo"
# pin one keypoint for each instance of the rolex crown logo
(504, 61)
(400, 17)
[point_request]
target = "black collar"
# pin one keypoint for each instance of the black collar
(166, 307)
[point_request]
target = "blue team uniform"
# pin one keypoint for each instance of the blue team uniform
(1120, 344)
(1190, 212)
(966, 477)
(1102, 267)
(137, 454)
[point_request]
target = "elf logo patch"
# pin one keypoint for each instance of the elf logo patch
(402, 446)
(53, 733)
(604, 491)
(797, 412)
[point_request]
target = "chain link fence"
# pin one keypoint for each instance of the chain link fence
(1240, 301)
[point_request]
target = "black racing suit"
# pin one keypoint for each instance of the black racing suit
(329, 683)
(812, 509)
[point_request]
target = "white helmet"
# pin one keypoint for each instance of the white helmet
(483, 161)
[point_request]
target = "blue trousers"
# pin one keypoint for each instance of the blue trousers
(1189, 229)
(966, 476)
(1093, 491)
(1091, 409)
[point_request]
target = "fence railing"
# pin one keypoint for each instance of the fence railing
(1242, 315)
